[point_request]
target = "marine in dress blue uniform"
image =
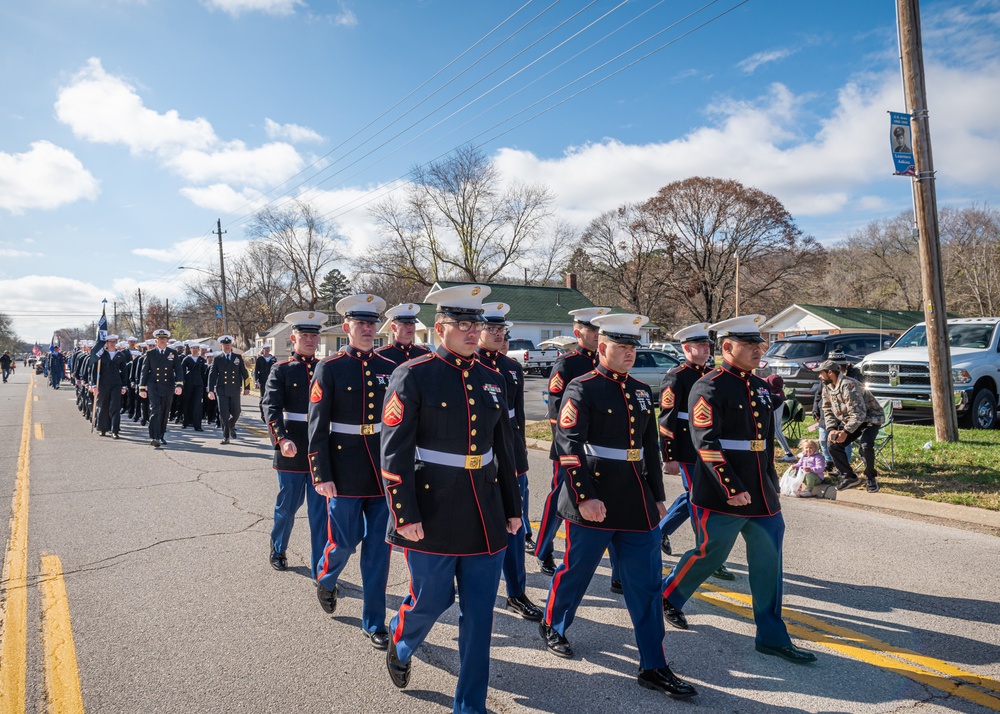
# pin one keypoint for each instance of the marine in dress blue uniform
(160, 380)
(402, 324)
(734, 487)
(568, 367)
(286, 412)
(490, 342)
(612, 499)
(226, 383)
(345, 409)
(449, 468)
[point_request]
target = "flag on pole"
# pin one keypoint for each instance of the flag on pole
(36, 350)
(901, 142)
(101, 338)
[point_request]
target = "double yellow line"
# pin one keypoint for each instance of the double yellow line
(62, 679)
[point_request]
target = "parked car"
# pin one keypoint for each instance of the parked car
(532, 359)
(650, 366)
(903, 375)
(795, 359)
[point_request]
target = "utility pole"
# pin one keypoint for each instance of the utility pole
(167, 308)
(926, 218)
(114, 306)
(737, 285)
(222, 276)
(142, 329)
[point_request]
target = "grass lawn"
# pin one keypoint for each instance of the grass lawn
(966, 473)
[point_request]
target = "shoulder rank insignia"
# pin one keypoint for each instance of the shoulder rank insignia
(316, 394)
(701, 416)
(556, 383)
(568, 416)
(667, 398)
(392, 415)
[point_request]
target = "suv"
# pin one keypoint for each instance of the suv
(650, 367)
(795, 359)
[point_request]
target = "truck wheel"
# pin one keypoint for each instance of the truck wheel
(983, 414)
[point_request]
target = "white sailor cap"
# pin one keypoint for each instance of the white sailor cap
(150, 342)
(624, 329)
(308, 321)
(109, 338)
(161, 333)
(585, 315)
(693, 333)
(495, 313)
(131, 339)
(462, 302)
(407, 312)
(194, 345)
(365, 307)
(745, 328)
(265, 346)
(226, 340)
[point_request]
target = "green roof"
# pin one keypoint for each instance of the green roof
(860, 318)
(532, 303)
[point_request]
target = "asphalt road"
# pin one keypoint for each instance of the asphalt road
(174, 608)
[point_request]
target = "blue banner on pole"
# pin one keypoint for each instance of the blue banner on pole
(218, 312)
(901, 142)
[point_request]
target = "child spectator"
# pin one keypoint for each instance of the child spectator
(811, 464)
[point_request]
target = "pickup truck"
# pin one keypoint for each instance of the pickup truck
(902, 373)
(531, 358)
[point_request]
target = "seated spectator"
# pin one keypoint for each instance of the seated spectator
(850, 413)
(777, 390)
(811, 463)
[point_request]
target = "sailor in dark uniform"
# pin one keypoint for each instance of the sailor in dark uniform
(678, 452)
(606, 441)
(450, 473)
(195, 372)
(56, 364)
(568, 366)
(403, 323)
(160, 380)
(286, 409)
(109, 377)
(734, 487)
(210, 408)
(345, 408)
(490, 342)
(261, 369)
(226, 383)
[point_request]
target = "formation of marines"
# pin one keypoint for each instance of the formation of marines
(426, 451)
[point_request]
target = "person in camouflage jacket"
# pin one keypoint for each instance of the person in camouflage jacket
(850, 413)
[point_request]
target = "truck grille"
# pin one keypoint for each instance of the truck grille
(897, 375)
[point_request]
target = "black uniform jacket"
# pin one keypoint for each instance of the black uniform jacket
(262, 367)
(109, 373)
(135, 368)
(568, 367)
(227, 376)
(675, 422)
(733, 432)
(453, 406)
(194, 371)
(286, 410)
(161, 373)
(345, 412)
(402, 353)
(513, 376)
(607, 410)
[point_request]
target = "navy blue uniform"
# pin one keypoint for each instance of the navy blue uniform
(675, 435)
(195, 372)
(262, 367)
(57, 368)
(400, 353)
(286, 410)
(227, 379)
(160, 375)
(345, 408)
(110, 375)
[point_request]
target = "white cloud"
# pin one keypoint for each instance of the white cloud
(292, 132)
(346, 17)
(270, 7)
(12, 253)
(41, 304)
(751, 63)
(236, 164)
(223, 198)
(46, 177)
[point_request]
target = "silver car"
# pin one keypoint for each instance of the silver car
(650, 366)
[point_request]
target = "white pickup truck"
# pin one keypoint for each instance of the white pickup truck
(902, 373)
(531, 358)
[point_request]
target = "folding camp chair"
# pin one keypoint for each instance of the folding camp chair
(794, 415)
(885, 437)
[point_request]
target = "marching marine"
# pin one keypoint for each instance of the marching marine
(403, 324)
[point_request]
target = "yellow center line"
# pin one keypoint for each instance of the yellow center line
(62, 677)
(14, 608)
(39, 432)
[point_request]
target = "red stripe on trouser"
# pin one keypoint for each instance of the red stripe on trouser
(547, 511)
(557, 578)
(330, 544)
(701, 518)
(404, 608)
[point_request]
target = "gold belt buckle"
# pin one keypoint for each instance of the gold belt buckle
(757, 445)
(367, 429)
(474, 461)
(631, 454)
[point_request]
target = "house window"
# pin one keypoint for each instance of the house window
(545, 335)
(341, 342)
(379, 341)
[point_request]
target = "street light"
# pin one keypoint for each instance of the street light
(225, 312)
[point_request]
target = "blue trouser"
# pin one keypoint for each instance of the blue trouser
(513, 560)
(715, 536)
(638, 557)
(432, 591)
(56, 376)
(680, 509)
(293, 489)
(545, 542)
(351, 521)
(824, 445)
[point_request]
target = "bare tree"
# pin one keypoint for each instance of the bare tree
(971, 238)
(546, 259)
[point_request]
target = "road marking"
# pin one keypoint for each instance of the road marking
(883, 655)
(62, 677)
(39, 432)
(36, 397)
(14, 608)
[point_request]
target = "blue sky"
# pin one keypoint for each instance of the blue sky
(128, 126)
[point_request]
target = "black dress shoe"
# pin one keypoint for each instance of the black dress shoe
(399, 673)
(114, 435)
(547, 565)
(104, 433)
(791, 653)
(674, 616)
(665, 545)
(724, 573)
(162, 440)
(327, 599)
(197, 429)
(278, 560)
(378, 640)
(529, 545)
(224, 441)
(557, 644)
(663, 680)
(616, 587)
(155, 442)
(525, 608)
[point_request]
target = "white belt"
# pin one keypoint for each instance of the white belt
(682, 415)
(602, 452)
(362, 429)
(459, 461)
(510, 413)
(296, 416)
(736, 445)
